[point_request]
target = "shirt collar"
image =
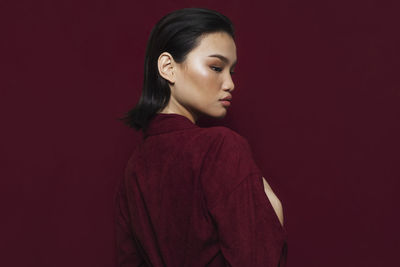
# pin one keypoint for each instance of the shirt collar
(168, 122)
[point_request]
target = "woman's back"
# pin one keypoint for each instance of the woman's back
(194, 197)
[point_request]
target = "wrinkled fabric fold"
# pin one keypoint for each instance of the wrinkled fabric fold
(194, 196)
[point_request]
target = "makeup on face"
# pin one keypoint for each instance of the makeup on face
(223, 59)
(204, 82)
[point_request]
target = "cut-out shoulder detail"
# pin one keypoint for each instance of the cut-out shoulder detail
(274, 200)
(188, 200)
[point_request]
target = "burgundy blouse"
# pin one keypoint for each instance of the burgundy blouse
(194, 196)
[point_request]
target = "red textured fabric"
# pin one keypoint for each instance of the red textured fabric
(194, 196)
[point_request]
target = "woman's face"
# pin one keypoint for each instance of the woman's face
(204, 78)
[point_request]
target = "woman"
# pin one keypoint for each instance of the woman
(193, 196)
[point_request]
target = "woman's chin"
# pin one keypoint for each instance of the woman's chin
(214, 113)
(219, 114)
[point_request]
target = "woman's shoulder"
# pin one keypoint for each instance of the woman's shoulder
(221, 134)
(220, 141)
(227, 162)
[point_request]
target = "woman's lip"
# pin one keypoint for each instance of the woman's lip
(226, 102)
(227, 98)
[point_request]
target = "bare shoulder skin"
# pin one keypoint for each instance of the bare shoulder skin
(275, 202)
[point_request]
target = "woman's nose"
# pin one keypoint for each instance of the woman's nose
(228, 83)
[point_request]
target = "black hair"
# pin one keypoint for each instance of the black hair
(177, 33)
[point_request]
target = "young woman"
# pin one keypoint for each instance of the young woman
(193, 196)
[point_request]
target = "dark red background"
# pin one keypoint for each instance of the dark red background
(317, 96)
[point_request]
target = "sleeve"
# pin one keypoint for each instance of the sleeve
(127, 252)
(243, 215)
(227, 163)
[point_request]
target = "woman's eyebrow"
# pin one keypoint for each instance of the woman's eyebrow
(224, 59)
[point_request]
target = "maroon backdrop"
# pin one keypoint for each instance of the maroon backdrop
(317, 96)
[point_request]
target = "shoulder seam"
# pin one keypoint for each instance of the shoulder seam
(216, 204)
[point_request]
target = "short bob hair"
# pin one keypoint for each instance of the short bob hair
(176, 33)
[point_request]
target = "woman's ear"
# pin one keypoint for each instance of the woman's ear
(166, 67)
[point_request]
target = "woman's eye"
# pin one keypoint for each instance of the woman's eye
(232, 72)
(217, 69)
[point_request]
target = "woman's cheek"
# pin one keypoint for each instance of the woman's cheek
(201, 72)
(202, 78)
